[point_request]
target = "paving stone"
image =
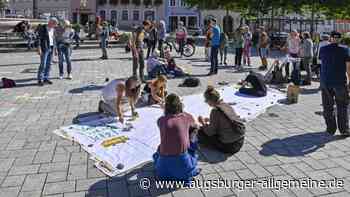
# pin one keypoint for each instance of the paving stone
(6, 164)
(91, 184)
(34, 182)
(188, 193)
(30, 194)
(75, 194)
(9, 191)
(77, 172)
(54, 167)
(59, 187)
(13, 181)
(56, 177)
(28, 169)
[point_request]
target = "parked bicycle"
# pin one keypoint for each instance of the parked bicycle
(189, 47)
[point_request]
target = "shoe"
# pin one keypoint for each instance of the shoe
(345, 134)
(40, 83)
(210, 73)
(262, 68)
(48, 81)
(225, 63)
(61, 77)
(70, 77)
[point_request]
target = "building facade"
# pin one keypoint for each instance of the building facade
(83, 11)
(59, 8)
(127, 13)
(177, 10)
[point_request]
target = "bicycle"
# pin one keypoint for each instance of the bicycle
(189, 47)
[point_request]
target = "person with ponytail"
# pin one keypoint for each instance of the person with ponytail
(223, 129)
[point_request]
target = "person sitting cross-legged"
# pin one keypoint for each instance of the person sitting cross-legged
(223, 130)
(176, 157)
(155, 65)
(116, 94)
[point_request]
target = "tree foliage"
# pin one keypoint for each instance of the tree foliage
(254, 8)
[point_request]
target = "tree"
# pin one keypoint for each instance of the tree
(147, 2)
(102, 2)
(125, 2)
(158, 2)
(2, 4)
(136, 2)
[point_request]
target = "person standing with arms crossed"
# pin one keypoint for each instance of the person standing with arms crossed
(215, 45)
(335, 69)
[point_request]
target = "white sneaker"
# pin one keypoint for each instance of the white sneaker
(61, 77)
(70, 77)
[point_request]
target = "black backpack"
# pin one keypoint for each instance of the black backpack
(191, 82)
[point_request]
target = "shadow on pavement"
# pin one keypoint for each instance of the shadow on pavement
(86, 88)
(298, 145)
(129, 184)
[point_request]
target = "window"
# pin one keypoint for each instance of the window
(103, 14)
(192, 21)
(125, 15)
(149, 15)
(114, 16)
(172, 3)
(136, 15)
(182, 3)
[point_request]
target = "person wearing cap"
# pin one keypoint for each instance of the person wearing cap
(215, 45)
(104, 34)
(64, 36)
(116, 94)
(335, 69)
(46, 39)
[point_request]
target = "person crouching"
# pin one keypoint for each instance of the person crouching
(155, 65)
(176, 158)
(223, 130)
(116, 94)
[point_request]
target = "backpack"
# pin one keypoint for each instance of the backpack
(190, 82)
(8, 83)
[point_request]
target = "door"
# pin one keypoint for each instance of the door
(84, 18)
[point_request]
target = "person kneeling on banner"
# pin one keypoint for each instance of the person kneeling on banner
(155, 65)
(154, 92)
(176, 157)
(118, 93)
(257, 85)
(223, 130)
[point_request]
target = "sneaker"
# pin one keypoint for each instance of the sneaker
(61, 77)
(48, 82)
(70, 77)
(100, 109)
(331, 131)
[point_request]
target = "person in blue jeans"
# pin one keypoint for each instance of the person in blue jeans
(176, 158)
(64, 50)
(46, 39)
(215, 45)
(334, 72)
(104, 39)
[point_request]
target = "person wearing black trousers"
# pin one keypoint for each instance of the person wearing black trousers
(152, 40)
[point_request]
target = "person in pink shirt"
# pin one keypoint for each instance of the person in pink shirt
(293, 48)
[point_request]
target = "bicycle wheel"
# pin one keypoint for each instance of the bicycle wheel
(189, 50)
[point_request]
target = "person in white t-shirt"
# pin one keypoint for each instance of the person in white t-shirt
(118, 93)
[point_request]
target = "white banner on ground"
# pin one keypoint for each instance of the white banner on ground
(118, 148)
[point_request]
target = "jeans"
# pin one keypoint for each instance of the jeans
(159, 69)
(238, 57)
(223, 54)
(214, 59)
(64, 53)
(339, 96)
(45, 64)
(104, 48)
(77, 39)
(138, 62)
